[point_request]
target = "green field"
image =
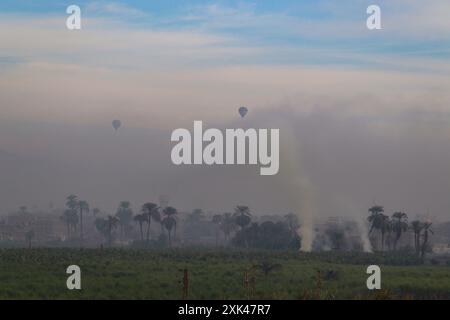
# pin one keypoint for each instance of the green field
(153, 274)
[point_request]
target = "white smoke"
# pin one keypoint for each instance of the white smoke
(363, 229)
(362, 223)
(296, 184)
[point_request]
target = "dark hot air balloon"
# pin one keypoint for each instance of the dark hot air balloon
(116, 124)
(243, 111)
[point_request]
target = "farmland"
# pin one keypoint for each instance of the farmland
(215, 274)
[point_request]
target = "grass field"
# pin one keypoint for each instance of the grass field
(153, 274)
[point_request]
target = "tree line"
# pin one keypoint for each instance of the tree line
(392, 228)
(238, 224)
(237, 227)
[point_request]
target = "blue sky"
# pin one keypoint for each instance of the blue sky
(409, 27)
(158, 7)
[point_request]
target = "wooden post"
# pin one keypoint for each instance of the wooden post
(245, 283)
(185, 284)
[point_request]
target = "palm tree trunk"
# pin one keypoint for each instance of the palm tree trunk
(415, 241)
(170, 240)
(417, 244)
(175, 231)
(217, 237)
(397, 238)
(424, 244)
(148, 228)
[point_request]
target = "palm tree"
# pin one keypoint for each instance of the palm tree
(384, 227)
(378, 221)
(170, 211)
(417, 227)
(151, 211)
(106, 226)
(399, 225)
(70, 217)
(83, 206)
(125, 216)
(426, 227)
(374, 217)
(242, 216)
(217, 221)
(140, 219)
(72, 209)
(72, 202)
(169, 221)
(387, 230)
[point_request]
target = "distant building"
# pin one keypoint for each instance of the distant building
(441, 248)
(46, 227)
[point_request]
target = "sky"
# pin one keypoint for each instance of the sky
(366, 111)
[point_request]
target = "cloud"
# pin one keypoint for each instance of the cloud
(169, 98)
(330, 20)
(418, 19)
(115, 9)
(110, 43)
(157, 76)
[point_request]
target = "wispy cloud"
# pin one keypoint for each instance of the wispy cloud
(114, 9)
(216, 57)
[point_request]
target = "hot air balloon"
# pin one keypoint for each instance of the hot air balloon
(243, 111)
(116, 124)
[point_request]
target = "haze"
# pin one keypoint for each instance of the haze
(364, 120)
